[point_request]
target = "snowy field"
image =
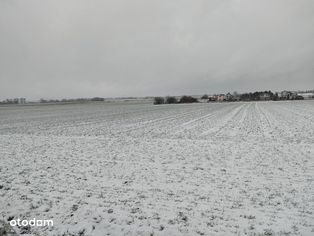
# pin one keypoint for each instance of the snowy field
(139, 169)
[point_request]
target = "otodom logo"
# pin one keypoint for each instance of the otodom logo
(33, 222)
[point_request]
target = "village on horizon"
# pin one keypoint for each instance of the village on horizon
(221, 97)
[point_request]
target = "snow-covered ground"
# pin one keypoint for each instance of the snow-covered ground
(139, 169)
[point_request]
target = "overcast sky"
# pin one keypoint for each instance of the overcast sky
(112, 48)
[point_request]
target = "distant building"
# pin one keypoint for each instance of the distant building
(284, 95)
(265, 97)
(287, 95)
(306, 95)
(211, 98)
(229, 97)
(220, 97)
(22, 100)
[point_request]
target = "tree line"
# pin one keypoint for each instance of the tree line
(174, 100)
(97, 99)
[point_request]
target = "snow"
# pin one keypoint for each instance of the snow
(139, 169)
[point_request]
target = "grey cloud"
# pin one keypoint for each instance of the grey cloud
(138, 48)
